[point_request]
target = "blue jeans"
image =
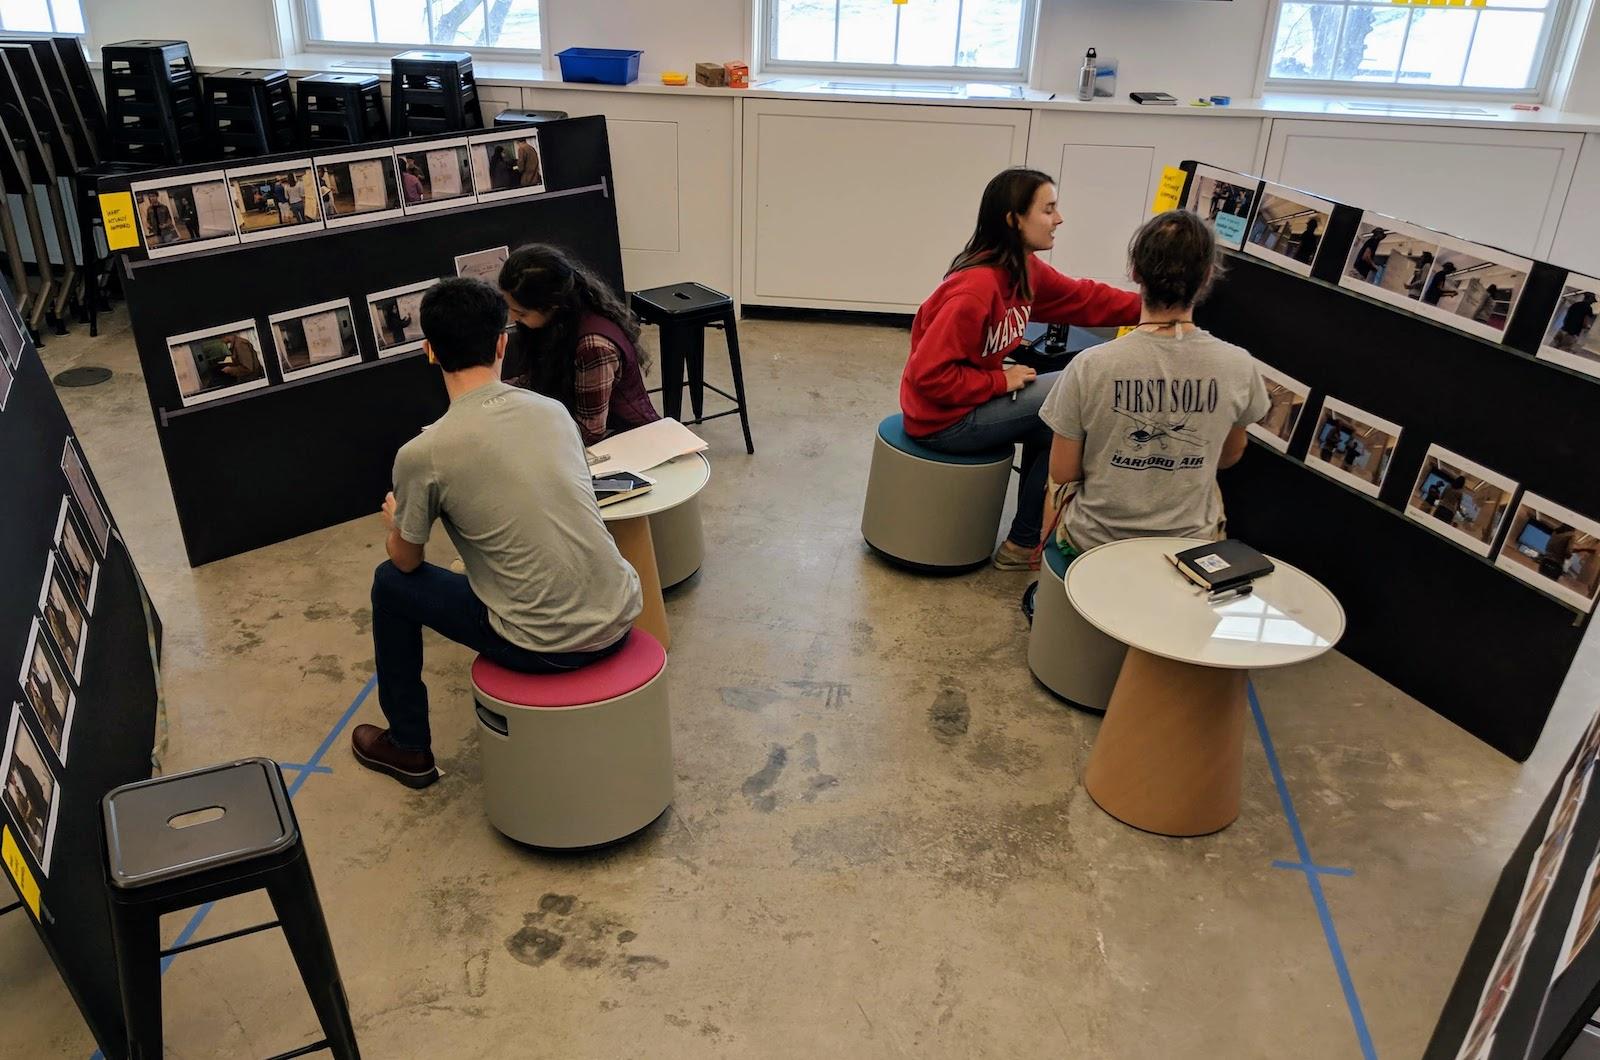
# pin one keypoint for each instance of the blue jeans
(999, 421)
(443, 601)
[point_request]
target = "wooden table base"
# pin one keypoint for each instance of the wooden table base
(1169, 758)
(634, 542)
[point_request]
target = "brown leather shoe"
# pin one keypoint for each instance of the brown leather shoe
(374, 749)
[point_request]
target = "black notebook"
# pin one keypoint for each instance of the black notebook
(619, 486)
(1222, 566)
(1153, 99)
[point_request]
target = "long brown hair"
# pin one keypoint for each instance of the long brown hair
(996, 240)
(548, 279)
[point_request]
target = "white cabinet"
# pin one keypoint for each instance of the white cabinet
(1108, 167)
(1503, 187)
(1577, 242)
(863, 205)
(674, 163)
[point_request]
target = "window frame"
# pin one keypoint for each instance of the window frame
(308, 42)
(767, 20)
(1546, 60)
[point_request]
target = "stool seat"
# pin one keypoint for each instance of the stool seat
(634, 666)
(893, 431)
(1054, 558)
(1072, 659)
(679, 301)
(143, 847)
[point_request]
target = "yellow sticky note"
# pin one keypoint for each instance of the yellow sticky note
(116, 209)
(17, 865)
(1169, 190)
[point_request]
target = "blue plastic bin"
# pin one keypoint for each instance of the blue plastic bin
(603, 66)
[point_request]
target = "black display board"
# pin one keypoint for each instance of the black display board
(274, 463)
(1441, 623)
(113, 714)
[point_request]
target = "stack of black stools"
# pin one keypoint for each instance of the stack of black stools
(154, 104)
(249, 113)
(433, 92)
(337, 110)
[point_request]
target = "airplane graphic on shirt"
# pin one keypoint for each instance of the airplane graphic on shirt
(1156, 434)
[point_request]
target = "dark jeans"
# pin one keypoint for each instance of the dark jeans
(443, 601)
(997, 422)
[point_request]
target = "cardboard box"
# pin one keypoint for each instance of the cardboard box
(738, 75)
(712, 75)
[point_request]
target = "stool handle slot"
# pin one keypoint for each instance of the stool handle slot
(492, 721)
(190, 818)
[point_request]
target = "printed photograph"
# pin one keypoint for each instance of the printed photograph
(44, 686)
(507, 164)
(1224, 198)
(1352, 446)
(1460, 500)
(217, 362)
(1288, 228)
(11, 337)
(1473, 288)
(1571, 339)
(63, 617)
(1553, 549)
(315, 339)
(30, 792)
(436, 177)
(483, 264)
(1390, 260)
(275, 200)
(77, 561)
(1287, 400)
(184, 214)
(397, 318)
(89, 506)
(1585, 917)
(358, 187)
(7, 377)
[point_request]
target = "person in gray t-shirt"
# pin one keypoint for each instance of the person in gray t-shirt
(545, 589)
(1147, 420)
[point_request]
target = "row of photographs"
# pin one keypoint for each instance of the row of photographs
(11, 345)
(52, 664)
(1472, 288)
(1536, 887)
(199, 211)
(228, 359)
(1552, 548)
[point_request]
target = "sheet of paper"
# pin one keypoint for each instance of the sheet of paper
(17, 866)
(367, 176)
(1169, 190)
(1230, 228)
(645, 447)
(444, 173)
(116, 209)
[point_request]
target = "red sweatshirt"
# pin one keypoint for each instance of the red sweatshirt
(973, 319)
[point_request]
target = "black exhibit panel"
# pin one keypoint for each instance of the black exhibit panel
(299, 454)
(78, 643)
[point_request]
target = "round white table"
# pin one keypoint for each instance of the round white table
(659, 532)
(1169, 757)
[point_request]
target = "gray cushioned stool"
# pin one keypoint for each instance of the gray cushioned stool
(1069, 657)
(581, 758)
(930, 510)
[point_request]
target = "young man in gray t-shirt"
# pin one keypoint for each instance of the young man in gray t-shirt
(1146, 421)
(545, 589)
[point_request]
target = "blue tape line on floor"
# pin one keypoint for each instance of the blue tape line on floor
(1314, 875)
(311, 765)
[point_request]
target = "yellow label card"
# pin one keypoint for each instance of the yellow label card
(1169, 190)
(17, 866)
(116, 209)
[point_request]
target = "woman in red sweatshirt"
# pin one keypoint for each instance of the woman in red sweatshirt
(955, 394)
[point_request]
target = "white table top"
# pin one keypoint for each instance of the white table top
(676, 481)
(1131, 592)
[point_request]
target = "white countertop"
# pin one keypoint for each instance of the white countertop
(1131, 592)
(846, 88)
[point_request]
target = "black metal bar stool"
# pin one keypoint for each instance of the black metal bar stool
(249, 112)
(153, 102)
(683, 311)
(340, 109)
(433, 92)
(180, 841)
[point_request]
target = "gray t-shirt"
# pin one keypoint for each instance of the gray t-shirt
(1153, 412)
(504, 469)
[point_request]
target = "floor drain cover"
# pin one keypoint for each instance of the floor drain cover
(88, 375)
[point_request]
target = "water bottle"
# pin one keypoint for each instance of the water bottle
(1086, 77)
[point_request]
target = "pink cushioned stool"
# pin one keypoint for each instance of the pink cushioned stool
(581, 758)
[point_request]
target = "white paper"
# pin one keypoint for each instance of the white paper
(645, 447)
(444, 172)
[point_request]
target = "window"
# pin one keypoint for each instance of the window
(41, 16)
(511, 24)
(1497, 46)
(990, 38)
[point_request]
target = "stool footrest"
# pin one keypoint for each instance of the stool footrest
(187, 946)
(304, 1050)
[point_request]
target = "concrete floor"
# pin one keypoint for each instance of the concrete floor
(879, 847)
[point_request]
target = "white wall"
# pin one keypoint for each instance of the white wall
(218, 31)
(674, 35)
(1188, 48)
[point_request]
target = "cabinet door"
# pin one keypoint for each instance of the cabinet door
(863, 205)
